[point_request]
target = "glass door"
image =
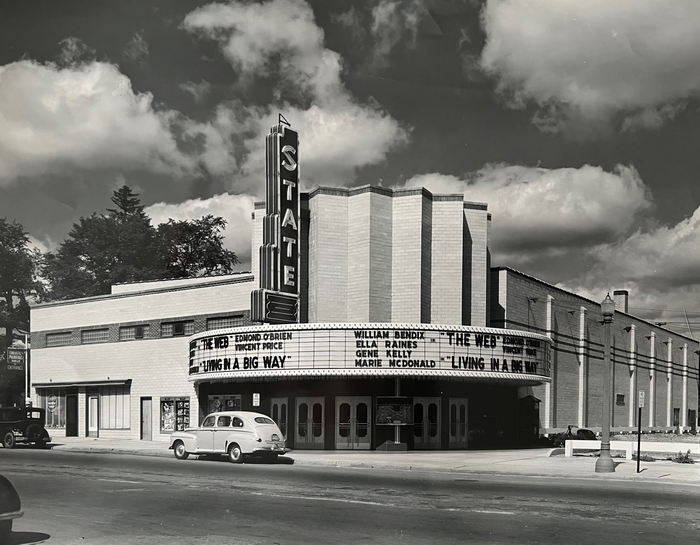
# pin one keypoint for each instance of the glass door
(309, 423)
(279, 412)
(93, 416)
(459, 413)
(353, 422)
(426, 422)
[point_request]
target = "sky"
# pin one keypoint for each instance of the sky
(577, 122)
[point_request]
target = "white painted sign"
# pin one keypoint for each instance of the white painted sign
(256, 399)
(641, 399)
(317, 349)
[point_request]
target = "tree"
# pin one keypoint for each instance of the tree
(195, 248)
(121, 245)
(18, 284)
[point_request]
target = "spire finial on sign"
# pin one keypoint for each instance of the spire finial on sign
(283, 121)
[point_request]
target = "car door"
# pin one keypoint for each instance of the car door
(240, 433)
(221, 432)
(205, 434)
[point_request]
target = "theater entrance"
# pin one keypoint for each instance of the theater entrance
(279, 410)
(426, 422)
(309, 423)
(353, 416)
(458, 415)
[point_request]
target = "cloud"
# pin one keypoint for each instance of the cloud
(392, 21)
(338, 133)
(587, 66)
(539, 210)
(74, 50)
(199, 91)
(86, 116)
(235, 209)
(136, 48)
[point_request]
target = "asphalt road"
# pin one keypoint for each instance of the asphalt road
(94, 498)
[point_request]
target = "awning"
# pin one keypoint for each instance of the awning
(123, 382)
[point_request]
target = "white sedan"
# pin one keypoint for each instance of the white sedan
(234, 433)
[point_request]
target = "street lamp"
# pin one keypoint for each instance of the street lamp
(604, 463)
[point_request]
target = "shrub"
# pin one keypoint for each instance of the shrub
(681, 458)
(643, 457)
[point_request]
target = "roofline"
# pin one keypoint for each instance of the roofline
(249, 277)
(178, 278)
(515, 271)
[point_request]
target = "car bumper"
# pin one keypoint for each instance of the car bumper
(270, 449)
(11, 515)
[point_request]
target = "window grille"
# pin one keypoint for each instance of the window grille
(221, 322)
(176, 329)
(58, 339)
(90, 336)
(133, 332)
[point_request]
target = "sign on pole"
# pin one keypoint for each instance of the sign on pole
(16, 359)
(641, 399)
(277, 300)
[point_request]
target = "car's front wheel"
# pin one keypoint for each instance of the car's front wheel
(9, 440)
(179, 450)
(235, 454)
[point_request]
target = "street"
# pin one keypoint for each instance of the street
(93, 498)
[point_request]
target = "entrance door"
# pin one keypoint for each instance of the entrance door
(459, 413)
(71, 416)
(426, 422)
(279, 412)
(353, 422)
(93, 415)
(146, 419)
(309, 423)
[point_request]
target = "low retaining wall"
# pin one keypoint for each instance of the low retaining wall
(630, 447)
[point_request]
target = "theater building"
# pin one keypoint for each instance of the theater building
(405, 335)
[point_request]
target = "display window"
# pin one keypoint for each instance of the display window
(174, 414)
(216, 403)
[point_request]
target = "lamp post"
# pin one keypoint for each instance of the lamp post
(604, 463)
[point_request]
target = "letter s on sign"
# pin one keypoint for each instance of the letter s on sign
(289, 162)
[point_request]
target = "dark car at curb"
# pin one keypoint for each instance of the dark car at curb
(559, 439)
(23, 425)
(10, 508)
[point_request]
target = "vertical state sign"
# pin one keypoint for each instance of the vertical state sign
(277, 300)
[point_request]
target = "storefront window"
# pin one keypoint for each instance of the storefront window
(174, 414)
(115, 408)
(54, 401)
(218, 403)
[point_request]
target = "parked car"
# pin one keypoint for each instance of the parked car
(23, 425)
(234, 433)
(10, 508)
(572, 432)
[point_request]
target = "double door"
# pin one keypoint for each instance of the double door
(309, 423)
(458, 416)
(279, 412)
(353, 417)
(426, 422)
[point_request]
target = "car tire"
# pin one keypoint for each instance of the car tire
(179, 451)
(5, 531)
(40, 443)
(9, 440)
(235, 454)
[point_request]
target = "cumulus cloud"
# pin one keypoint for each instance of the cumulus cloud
(537, 210)
(136, 48)
(591, 65)
(235, 209)
(392, 21)
(199, 91)
(309, 89)
(74, 50)
(83, 116)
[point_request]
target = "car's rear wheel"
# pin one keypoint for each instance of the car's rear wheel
(40, 443)
(5, 530)
(9, 440)
(235, 454)
(179, 450)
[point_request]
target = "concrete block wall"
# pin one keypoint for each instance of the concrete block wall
(328, 258)
(380, 257)
(407, 287)
(358, 248)
(574, 395)
(447, 260)
(256, 241)
(475, 292)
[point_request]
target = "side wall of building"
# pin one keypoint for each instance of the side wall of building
(645, 358)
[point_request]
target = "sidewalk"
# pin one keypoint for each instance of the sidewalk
(526, 462)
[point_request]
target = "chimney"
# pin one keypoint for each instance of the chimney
(621, 298)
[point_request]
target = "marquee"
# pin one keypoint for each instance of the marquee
(370, 349)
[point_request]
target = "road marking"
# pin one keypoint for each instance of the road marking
(323, 498)
(120, 481)
(494, 512)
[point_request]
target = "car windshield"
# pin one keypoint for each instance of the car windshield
(263, 420)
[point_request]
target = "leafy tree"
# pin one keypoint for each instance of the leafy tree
(195, 248)
(121, 245)
(18, 284)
